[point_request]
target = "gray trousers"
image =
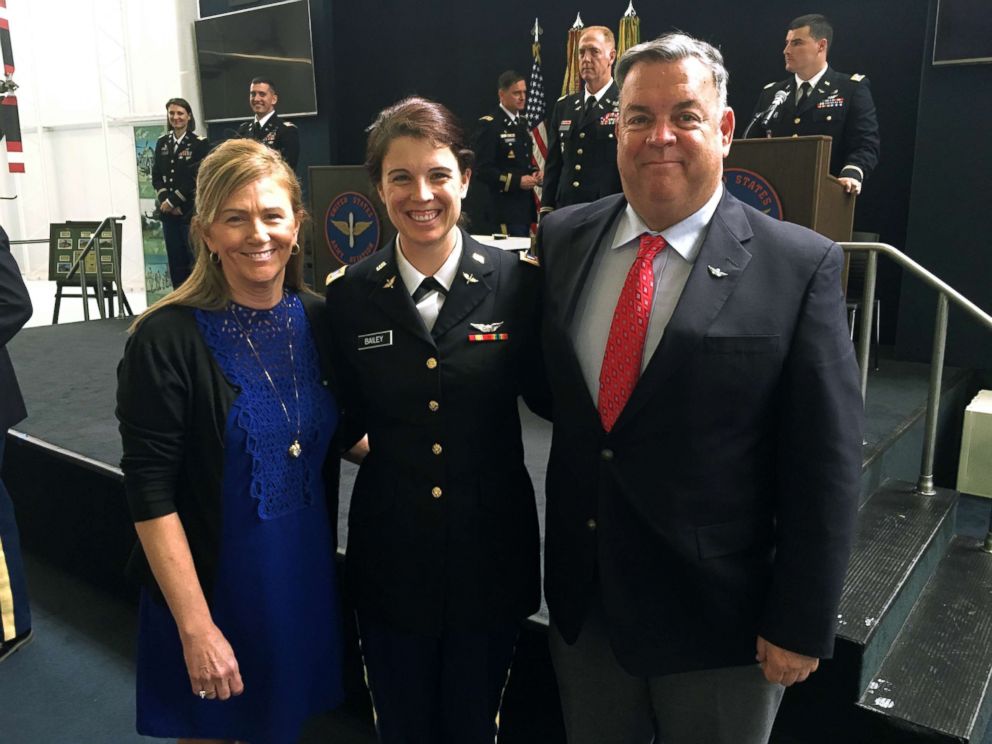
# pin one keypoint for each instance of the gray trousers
(603, 704)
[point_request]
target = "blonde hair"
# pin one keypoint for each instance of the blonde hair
(605, 31)
(229, 167)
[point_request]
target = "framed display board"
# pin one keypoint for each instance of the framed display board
(66, 241)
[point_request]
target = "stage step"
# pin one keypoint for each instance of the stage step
(900, 540)
(901, 537)
(934, 684)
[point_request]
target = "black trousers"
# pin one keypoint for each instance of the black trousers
(442, 689)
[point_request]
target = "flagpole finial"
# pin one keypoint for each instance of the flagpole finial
(578, 22)
(537, 31)
(630, 10)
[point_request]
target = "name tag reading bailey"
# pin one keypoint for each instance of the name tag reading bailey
(375, 340)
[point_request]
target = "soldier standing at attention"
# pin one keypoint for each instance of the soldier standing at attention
(174, 167)
(820, 100)
(582, 153)
(503, 158)
(267, 127)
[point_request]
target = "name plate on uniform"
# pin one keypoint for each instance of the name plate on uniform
(375, 340)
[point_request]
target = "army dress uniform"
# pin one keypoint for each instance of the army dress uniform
(282, 136)
(582, 152)
(840, 106)
(174, 170)
(443, 540)
(502, 157)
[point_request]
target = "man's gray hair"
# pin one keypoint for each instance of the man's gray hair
(673, 47)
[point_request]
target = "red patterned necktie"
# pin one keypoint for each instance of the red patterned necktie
(625, 345)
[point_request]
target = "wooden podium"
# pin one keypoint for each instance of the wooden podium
(798, 169)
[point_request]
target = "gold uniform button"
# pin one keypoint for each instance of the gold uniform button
(578, 167)
(436, 448)
(575, 184)
(830, 118)
(433, 406)
(582, 135)
(796, 120)
(436, 492)
(431, 363)
(591, 524)
(579, 151)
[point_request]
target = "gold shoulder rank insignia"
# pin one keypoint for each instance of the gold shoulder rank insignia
(487, 117)
(769, 85)
(527, 258)
(857, 77)
(562, 98)
(335, 275)
(289, 124)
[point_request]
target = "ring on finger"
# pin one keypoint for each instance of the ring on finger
(203, 694)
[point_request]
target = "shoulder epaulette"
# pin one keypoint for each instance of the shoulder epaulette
(527, 258)
(770, 85)
(335, 275)
(487, 117)
(857, 77)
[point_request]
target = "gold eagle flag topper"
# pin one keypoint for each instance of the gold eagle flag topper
(572, 83)
(630, 30)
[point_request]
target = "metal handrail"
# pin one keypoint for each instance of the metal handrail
(945, 292)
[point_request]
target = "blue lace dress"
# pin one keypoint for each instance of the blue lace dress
(275, 596)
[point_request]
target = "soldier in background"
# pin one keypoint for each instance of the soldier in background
(266, 127)
(582, 153)
(820, 100)
(503, 150)
(175, 163)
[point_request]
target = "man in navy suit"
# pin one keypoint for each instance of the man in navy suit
(15, 309)
(704, 467)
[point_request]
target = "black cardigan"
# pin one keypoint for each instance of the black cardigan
(172, 404)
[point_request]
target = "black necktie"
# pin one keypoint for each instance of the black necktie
(590, 105)
(804, 90)
(256, 130)
(430, 284)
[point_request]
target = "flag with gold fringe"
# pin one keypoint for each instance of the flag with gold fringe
(630, 30)
(572, 82)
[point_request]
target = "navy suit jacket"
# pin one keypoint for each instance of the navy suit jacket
(721, 505)
(15, 310)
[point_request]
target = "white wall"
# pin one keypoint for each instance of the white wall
(89, 70)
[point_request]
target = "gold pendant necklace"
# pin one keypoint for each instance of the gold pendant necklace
(295, 448)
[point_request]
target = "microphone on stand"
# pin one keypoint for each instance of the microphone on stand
(777, 101)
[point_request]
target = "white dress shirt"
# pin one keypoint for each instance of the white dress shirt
(598, 299)
(430, 304)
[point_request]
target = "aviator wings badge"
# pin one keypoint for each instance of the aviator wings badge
(487, 327)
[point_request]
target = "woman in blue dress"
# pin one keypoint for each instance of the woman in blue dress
(228, 419)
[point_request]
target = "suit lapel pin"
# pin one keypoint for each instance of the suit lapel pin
(469, 278)
(389, 282)
(381, 266)
(716, 272)
(478, 257)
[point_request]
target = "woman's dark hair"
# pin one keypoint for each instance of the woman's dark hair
(420, 118)
(191, 127)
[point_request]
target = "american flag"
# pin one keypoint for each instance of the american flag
(535, 110)
(10, 125)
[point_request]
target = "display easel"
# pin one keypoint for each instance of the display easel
(81, 253)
